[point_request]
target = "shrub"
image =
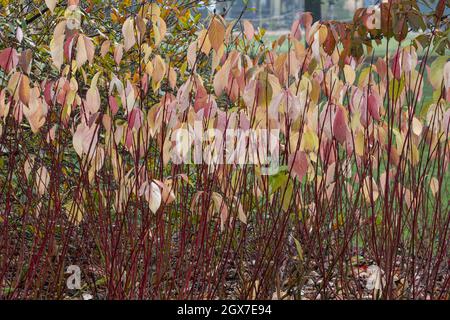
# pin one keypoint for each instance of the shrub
(91, 102)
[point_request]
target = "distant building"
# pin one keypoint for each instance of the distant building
(279, 14)
(265, 13)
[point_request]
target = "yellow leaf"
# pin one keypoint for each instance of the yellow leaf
(128, 34)
(159, 29)
(310, 141)
(417, 126)
(74, 212)
(105, 48)
(349, 74)
(203, 42)
(434, 186)
(155, 11)
(359, 144)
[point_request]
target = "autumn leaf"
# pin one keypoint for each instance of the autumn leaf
(340, 128)
(249, 31)
(24, 90)
(42, 179)
(57, 44)
(298, 163)
(152, 193)
(373, 105)
(216, 33)
(221, 79)
(159, 70)
(128, 34)
(51, 4)
(349, 74)
(310, 141)
(8, 59)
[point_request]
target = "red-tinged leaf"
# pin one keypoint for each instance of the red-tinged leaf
(306, 20)
(135, 119)
(8, 59)
(118, 53)
(113, 105)
(129, 139)
(85, 138)
(295, 29)
(397, 65)
(298, 162)
(440, 8)
(373, 105)
(68, 47)
(340, 128)
(49, 93)
(249, 31)
(25, 61)
(63, 88)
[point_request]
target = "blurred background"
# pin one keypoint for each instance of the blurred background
(278, 14)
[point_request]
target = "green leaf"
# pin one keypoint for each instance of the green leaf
(437, 71)
(298, 246)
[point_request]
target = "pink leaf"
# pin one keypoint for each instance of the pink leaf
(299, 164)
(135, 118)
(295, 29)
(49, 93)
(8, 59)
(249, 31)
(374, 106)
(113, 105)
(340, 128)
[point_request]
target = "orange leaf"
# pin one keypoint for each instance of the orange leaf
(216, 33)
(24, 90)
